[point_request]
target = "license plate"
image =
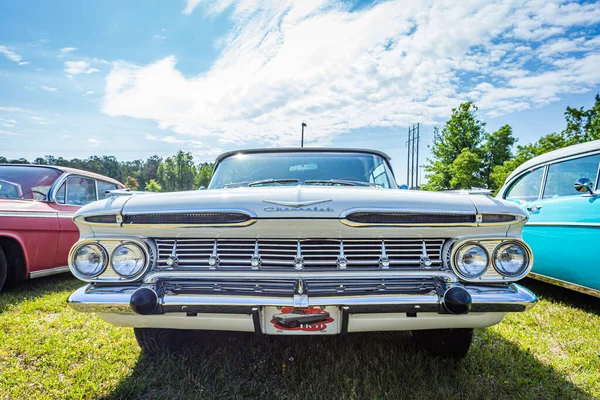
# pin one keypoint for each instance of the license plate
(301, 321)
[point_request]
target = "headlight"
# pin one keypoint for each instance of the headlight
(128, 260)
(511, 259)
(471, 260)
(90, 260)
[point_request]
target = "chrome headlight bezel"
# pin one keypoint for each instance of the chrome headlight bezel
(109, 275)
(491, 245)
(462, 274)
(137, 273)
(526, 266)
(72, 260)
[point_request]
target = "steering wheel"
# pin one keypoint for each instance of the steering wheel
(39, 193)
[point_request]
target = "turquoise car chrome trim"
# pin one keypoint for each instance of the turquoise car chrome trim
(574, 224)
(567, 285)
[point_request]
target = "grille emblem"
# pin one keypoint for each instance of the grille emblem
(299, 260)
(255, 261)
(342, 261)
(172, 261)
(384, 261)
(424, 261)
(213, 260)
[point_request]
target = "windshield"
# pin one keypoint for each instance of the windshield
(302, 168)
(19, 182)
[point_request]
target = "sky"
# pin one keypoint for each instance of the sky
(137, 78)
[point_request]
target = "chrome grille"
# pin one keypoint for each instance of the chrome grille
(285, 254)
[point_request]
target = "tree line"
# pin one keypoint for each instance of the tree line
(154, 174)
(464, 155)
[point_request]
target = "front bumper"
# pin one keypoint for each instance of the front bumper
(189, 310)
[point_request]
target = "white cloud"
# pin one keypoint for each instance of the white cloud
(67, 50)
(48, 89)
(23, 63)
(387, 65)
(165, 139)
(565, 45)
(39, 120)
(15, 110)
(8, 123)
(79, 67)
(93, 141)
(89, 93)
(7, 133)
(11, 55)
(161, 37)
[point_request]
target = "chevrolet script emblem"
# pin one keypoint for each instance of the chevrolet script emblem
(297, 206)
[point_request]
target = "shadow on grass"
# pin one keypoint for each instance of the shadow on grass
(17, 292)
(559, 294)
(380, 365)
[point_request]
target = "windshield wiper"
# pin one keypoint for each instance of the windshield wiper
(268, 181)
(341, 182)
(260, 182)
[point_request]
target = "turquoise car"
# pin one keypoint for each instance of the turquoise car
(560, 192)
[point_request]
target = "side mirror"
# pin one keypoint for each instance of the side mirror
(583, 185)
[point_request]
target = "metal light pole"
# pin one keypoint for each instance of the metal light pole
(302, 142)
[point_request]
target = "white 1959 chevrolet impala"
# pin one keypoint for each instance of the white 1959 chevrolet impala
(302, 241)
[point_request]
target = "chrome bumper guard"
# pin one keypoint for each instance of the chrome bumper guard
(152, 299)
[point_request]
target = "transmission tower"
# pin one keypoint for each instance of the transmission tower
(412, 167)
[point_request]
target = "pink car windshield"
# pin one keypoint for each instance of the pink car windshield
(19, 182)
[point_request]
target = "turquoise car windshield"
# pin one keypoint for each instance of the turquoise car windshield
(302, 168)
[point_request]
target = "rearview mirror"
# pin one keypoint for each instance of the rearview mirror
(583, 185)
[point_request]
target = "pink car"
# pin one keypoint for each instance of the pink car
(36, 206)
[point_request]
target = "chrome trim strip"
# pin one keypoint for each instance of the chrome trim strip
(154, 276)
(47, 272)
(90, 298)
(543, 185)
(571, 224)
(19, 214)
(80, 219)
(64, 215)
(251, 214)
(565, 284)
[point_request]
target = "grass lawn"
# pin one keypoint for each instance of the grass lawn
(49, 351)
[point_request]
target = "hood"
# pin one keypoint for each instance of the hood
(310, 202)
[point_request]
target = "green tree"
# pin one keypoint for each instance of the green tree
(177, 173)
(132, 183)
(203, 176)
(465, 170)
(152, 186)
(497, 149)
(463, 131)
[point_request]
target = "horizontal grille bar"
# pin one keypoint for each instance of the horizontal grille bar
(314, 287)
(308, 254)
